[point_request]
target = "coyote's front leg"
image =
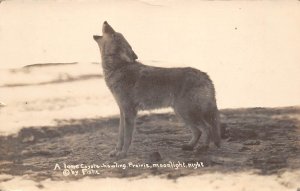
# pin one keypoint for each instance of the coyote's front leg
(129, 120)
(120, 143)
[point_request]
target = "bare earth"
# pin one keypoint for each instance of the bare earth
(262, 139)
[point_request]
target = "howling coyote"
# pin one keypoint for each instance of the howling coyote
(136, 86)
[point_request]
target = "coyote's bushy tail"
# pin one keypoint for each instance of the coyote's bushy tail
(213, 118)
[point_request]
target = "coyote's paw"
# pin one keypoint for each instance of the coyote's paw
(118, 154)
(202, 148)
(121, 155)
(187, 147)
(113, 153)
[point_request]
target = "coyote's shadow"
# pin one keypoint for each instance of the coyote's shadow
(262, 139)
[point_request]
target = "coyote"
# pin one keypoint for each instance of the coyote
(136, 86)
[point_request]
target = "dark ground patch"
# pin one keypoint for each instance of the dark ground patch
(262, 139)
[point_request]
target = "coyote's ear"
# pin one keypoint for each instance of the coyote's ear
(134, 55)
(107, 29)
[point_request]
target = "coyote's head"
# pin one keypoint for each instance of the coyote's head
(113, 44)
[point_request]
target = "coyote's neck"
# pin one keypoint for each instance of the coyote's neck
(111, 64)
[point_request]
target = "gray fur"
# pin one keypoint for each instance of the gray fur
(135, 87)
